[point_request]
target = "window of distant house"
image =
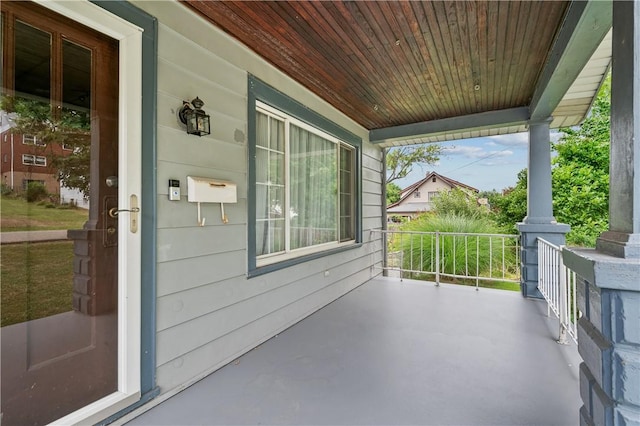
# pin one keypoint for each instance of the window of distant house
(26, 182)
(32, 140)
(416, 194)
(305, 198)
(433, 194)
(34, 160)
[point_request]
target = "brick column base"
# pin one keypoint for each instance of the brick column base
(608, 295)
(94, 272)
(529, 234)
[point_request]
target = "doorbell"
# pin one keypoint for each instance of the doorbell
(174, 190)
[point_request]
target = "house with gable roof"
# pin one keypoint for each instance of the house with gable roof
(417, 198)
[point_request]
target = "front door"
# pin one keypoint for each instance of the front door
(60, 296)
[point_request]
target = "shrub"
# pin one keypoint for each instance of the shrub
(459, 255)
(36, 191)
(5, 189)
(458, 202)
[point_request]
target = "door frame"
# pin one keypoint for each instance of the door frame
(129, 37)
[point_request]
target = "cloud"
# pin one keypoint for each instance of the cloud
(476, 152)
(514, 139)
(496, 162)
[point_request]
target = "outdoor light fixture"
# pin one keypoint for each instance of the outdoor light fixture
(196, 120)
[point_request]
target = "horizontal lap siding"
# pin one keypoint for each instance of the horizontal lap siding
(208, 312)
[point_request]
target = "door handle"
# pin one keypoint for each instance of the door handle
(114, 212)
(133, 209)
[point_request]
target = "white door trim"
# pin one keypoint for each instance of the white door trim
(130, 182)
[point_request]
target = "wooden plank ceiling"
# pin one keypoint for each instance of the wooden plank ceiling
(389, 63)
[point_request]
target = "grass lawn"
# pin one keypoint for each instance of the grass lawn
(18, 215)
(36, 280)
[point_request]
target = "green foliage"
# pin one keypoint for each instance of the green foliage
(510, 207)
(5, 189)
(400, 160)
(580, 174)
(393, 193)
(450, 222)
(458, 202)
(458, 255)
(580, 178)
(69, 127)
(36, 191)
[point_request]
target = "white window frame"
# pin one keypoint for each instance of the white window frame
(288, 253)
(32, 140)
(34, 160)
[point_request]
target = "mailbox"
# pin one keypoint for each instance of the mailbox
(207, 190)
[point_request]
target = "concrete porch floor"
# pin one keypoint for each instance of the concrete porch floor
(392, 352)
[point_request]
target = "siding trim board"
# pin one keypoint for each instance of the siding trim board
(149, 24)
(258, 90)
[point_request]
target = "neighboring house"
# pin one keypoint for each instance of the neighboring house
(417, 198)
(25, 159)
(73, 197)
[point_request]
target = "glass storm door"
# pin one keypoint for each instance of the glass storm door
(59, 121)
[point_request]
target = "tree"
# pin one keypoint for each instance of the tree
(69, 128)
(400, 160)
(510, 207)
(393, 193)
(580, 173)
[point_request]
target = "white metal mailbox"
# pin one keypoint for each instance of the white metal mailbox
(206, 190)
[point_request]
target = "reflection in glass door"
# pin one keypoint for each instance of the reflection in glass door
(59, 295)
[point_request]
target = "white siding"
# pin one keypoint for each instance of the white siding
(209, 313)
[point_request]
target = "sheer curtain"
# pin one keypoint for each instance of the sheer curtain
(270, 190)
(313, 189)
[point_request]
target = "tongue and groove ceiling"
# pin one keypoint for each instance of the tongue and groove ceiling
(419, 71)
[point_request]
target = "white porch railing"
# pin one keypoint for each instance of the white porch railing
(557, 284)
(452, 255)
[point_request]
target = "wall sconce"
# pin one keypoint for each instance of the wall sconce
(196, 120)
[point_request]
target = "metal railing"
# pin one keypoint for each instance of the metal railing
(557, 284)
(452, 256)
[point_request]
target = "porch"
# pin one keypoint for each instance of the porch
(392, 352)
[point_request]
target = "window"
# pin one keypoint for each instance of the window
(305, 201)
(34, 160)
(26, 182)
(67, 147)
(433, 194)
(32, 140)
(304, 186)
(416, 194)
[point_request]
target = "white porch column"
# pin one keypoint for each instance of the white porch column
(609, 276)
(539, 198)
(539, 222)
